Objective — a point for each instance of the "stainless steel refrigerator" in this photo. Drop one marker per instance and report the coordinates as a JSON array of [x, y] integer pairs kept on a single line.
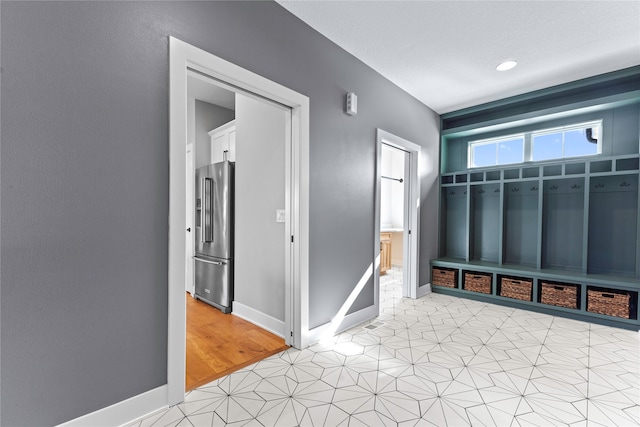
[[214, 234]]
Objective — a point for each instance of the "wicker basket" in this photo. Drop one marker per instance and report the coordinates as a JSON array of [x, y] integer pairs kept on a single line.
[[559, 294], [444, 277], [477, 282], [609, 302], [516, 288]]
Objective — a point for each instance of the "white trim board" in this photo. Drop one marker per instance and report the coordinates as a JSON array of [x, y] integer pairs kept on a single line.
[[327, 331], [182, 57], [269, 323], [423, 290], [124, 412]]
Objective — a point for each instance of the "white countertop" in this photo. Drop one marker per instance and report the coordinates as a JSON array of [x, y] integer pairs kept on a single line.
[[391, 230]]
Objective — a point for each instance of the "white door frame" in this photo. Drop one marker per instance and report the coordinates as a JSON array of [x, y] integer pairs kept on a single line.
[[411, 213], [182, 57], [189, 222]]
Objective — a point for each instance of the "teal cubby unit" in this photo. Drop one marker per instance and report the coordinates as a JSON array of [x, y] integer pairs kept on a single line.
[[521, 226], [563, 223], [485, 222], [557, 236]]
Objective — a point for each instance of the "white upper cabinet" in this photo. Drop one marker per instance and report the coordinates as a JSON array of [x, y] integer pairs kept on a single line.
[[223, 138]]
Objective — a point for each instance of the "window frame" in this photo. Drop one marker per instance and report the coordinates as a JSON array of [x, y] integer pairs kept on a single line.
[[528, 143], [564, 130], [496, 141]]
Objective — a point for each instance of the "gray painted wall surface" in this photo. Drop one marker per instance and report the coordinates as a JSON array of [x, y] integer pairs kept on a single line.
[[259, 240], [84, 184]]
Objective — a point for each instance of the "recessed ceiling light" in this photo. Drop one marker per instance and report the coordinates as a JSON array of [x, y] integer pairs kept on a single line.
[[506, 65]]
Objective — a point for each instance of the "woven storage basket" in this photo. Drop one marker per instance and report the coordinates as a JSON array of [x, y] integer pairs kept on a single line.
[[559, 294], [611, 303], [477, 282], [516, 288], [444, 277]]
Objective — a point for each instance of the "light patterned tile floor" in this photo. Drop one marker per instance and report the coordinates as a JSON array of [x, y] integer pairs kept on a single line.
[[434, 361]]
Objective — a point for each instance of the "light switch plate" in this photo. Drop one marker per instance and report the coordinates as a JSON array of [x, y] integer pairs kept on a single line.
[[280, 215]]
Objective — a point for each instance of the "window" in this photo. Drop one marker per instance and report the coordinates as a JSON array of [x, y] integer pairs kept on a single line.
[[493, 152], [570, 141], [549, 144]]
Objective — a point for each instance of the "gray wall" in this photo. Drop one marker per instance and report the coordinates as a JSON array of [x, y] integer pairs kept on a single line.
[[259, 240], [84, 184]]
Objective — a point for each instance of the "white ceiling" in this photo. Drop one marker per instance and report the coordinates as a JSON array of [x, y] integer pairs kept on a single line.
[[444, 53]]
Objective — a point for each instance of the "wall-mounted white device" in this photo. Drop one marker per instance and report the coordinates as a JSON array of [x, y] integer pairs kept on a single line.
[[351, 104]]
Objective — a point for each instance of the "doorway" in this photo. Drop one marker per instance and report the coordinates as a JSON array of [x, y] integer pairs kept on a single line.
[[295, 235], [247, 136], [393, 186], [397, 213]]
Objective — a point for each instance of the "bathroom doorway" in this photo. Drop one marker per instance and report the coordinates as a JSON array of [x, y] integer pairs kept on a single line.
[[397, 213]]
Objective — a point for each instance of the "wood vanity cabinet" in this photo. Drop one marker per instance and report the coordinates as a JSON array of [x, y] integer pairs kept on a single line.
[[385, 252]]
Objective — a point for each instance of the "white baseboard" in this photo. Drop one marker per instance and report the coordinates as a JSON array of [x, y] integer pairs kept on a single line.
[[124, 412], [271, 324], [326, 331], [423, 290]]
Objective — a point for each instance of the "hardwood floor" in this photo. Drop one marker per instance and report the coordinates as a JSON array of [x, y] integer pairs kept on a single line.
[[218, 344]]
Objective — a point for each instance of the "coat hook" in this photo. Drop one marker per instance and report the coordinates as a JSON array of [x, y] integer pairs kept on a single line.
[[481, 192], [534, 188], [553, 187], [497, 190], [625, 184], [599, 185], [514, 189], [452, 193], [575, 186]]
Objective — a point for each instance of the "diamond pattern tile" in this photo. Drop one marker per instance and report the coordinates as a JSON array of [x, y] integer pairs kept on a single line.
[[434, 361]]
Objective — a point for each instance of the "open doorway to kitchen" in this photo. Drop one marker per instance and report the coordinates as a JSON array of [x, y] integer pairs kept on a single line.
[[251, 92], [397, 213], [235, 256]]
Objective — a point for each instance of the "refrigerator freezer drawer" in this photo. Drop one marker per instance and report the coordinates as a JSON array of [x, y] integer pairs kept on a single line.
[[214, 282]]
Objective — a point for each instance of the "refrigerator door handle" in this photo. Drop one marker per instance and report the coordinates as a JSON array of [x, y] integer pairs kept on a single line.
[[207, 261], [206, 211], [202, 208]]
